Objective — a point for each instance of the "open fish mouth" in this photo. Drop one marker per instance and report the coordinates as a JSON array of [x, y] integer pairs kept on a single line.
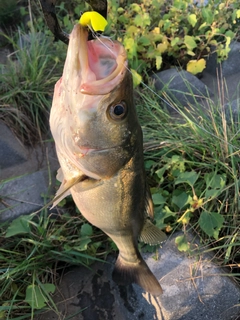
[[101, 63]]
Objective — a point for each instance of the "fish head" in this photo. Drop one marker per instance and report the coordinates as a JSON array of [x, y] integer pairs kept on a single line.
[[93, 118]]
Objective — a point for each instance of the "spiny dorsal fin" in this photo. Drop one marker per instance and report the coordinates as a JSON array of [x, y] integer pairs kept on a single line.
[[151, 234], [149, 209]]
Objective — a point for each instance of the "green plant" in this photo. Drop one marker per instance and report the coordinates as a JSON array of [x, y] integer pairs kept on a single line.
[[34, 251], [26, 86], [192, 166], [159, 34], [8, 11]]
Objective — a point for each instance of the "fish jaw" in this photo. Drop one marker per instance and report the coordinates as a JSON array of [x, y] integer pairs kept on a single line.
[[93, 67]]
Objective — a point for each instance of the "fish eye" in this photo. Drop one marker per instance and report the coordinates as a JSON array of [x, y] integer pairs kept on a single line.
[[118, 111]]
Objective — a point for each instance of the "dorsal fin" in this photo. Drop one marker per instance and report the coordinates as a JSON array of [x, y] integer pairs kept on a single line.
[[151, 234]]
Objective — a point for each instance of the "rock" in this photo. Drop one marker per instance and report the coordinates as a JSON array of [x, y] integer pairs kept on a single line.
[[91, 294], [194, 289], [232, 111], [227, 67], [182, 87], [22, 195], [11, 151], [24, 175]]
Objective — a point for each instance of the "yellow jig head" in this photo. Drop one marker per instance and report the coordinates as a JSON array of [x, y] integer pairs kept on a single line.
[[93, 20]]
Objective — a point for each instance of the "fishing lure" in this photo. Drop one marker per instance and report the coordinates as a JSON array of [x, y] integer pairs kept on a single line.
[[93, 20]]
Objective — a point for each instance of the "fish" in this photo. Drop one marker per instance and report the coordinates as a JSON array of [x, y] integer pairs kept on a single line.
[[99, 144]]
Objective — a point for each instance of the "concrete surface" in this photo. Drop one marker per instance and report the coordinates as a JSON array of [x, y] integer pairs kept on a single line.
[[193, 289], [26, 175]]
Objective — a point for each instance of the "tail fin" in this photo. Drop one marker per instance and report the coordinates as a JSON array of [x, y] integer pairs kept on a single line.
[[125, 273]]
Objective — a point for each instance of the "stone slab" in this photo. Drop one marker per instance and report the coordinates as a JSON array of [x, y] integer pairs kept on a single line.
[[22, 195], [11, 151], [8, 156], [194, 289]]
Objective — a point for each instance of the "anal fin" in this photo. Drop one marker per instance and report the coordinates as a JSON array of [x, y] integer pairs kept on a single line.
[[151, 234]]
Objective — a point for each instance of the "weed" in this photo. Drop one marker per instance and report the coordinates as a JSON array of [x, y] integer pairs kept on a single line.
[[193, 169], [34, 251], [26, 86]]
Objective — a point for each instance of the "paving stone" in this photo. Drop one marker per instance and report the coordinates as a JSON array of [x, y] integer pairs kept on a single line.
[[8, 156], [194, 289], [11, 151], [183, 87], [22, 195]]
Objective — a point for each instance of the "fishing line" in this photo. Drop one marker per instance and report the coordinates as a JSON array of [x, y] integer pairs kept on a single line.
[[156, 94]]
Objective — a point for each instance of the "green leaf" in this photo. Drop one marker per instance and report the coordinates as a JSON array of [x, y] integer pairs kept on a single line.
[[36, 297], [149, 163], [202, 26], [19, 226], [208, 15], [135, 7], [182, 243], [144, 41], [86, 230], [212, 193], [161, 214], [83, 244], [211, 223], [138, 20], [189, 177], [175, 41], [215, 181], [190, 42], [192, 19], [158, 199], [215, 184], [181, 200]]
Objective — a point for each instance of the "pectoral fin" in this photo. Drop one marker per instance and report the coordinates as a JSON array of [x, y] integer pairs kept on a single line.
[[65, 187], [151, 234]]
